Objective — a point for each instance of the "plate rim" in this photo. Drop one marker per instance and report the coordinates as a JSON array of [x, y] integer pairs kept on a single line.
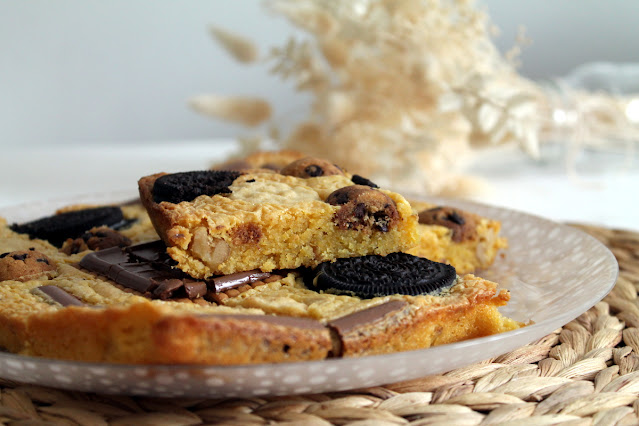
[[537, 329]]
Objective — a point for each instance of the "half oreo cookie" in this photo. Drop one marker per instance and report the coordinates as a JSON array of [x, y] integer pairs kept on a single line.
[[57, 228], [187, 186], [374, 275]]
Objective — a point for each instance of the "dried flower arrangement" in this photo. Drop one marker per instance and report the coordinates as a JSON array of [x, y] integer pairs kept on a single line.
[[405, 91]]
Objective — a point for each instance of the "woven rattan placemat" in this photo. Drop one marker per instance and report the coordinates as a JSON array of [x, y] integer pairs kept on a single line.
[[584, 373]]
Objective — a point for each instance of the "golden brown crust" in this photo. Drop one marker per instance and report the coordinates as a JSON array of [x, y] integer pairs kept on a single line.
[[144, 333]]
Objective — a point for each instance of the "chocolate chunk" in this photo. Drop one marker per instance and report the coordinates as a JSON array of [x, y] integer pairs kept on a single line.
[[187, 186], [137, 276], [145, 269], [60, 295], [166, 288], [102, 261], [154, 252], [355, 333], [365, 318], [360, 180], [374, 275], [237, 279], [57, 228], [363, 208], [195, 289]]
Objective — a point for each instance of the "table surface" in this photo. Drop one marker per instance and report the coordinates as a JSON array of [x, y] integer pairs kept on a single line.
[[600, 188]]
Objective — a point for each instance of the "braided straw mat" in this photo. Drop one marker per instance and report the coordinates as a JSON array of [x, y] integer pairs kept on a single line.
[[586, 373]]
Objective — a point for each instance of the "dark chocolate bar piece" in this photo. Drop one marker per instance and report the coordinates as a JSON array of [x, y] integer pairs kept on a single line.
[[353, 330], [148, 269], [60, 295], [237, 279], [151, 278], [154, 252]]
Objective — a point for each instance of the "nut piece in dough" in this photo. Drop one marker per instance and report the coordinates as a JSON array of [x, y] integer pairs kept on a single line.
[[363, 208], [25, 265]]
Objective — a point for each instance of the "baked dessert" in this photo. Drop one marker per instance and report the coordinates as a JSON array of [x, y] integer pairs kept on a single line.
[[94, 283], [465, 240], [221, 222]]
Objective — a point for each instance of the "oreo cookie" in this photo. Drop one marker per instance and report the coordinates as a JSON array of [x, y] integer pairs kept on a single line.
[[57, 228], [374, 276], [187, 186]]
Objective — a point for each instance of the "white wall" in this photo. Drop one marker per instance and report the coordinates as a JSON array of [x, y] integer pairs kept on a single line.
[[121, 70]]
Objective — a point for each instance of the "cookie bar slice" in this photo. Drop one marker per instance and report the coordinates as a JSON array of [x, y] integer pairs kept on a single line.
[[221, 222], [465, 240], [462, 239]]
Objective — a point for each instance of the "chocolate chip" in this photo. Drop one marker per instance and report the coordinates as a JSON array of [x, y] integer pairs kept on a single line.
[[3, 255], [360, 180], [22, 256], [314, 170]]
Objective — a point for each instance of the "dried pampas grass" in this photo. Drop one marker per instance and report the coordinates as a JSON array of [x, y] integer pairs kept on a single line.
[[404, 91], [244, 110]]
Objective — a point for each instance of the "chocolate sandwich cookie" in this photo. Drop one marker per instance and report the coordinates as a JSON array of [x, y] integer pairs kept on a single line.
[[57, 228], [187, 186], [374, 276]]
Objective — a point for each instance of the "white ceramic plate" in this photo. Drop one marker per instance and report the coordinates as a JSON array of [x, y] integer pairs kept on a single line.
[[554, 273]]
